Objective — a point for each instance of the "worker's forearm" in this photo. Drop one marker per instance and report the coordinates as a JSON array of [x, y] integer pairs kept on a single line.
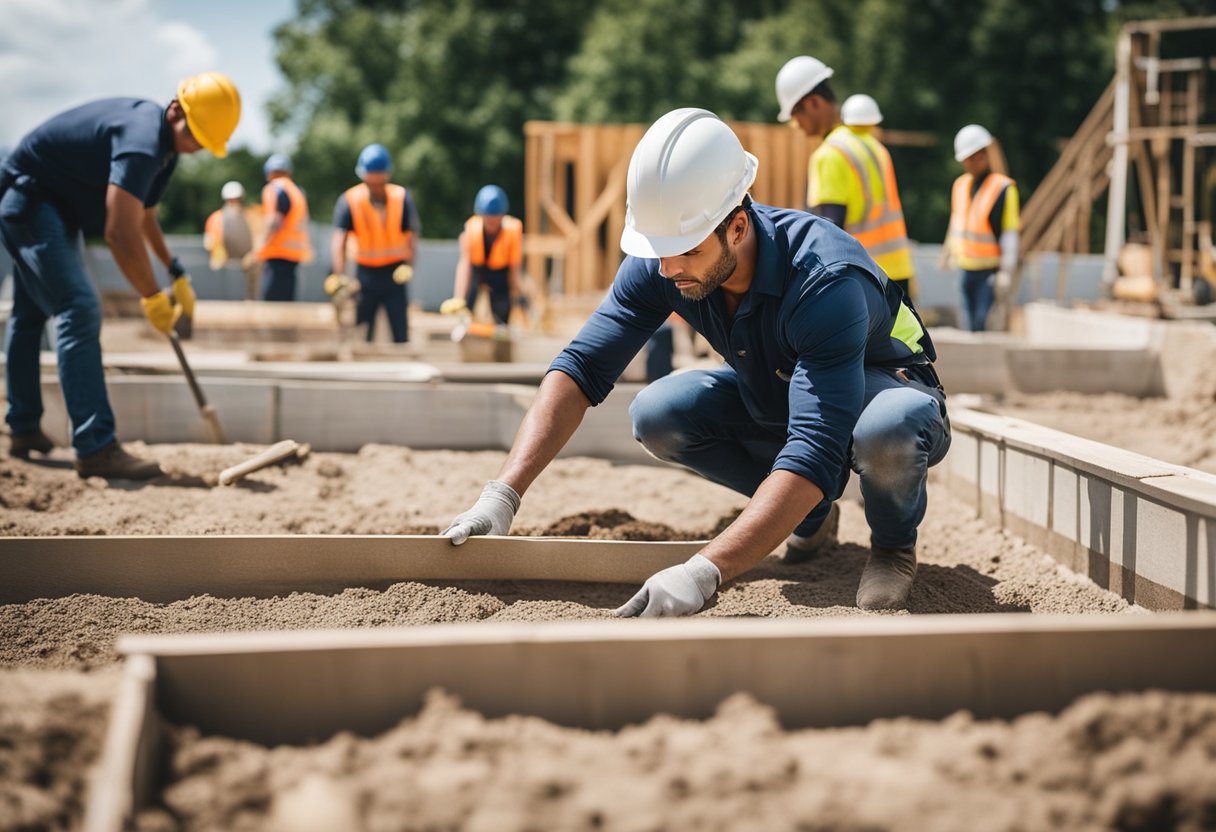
[[337, 252], [463, 271], [131, 255], [548, 425], [156, 238], [778, 506], [1009, 250], [513, 281]]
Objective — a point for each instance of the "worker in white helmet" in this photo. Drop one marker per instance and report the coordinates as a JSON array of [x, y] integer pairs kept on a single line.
[[984, 223], [229, 235], [827, 366], [851, 179]]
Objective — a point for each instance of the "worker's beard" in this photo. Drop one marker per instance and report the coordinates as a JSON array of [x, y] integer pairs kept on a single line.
[[717, 274]]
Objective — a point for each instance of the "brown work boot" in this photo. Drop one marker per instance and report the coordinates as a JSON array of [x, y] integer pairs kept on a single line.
[[22, 444], [112, 462], [887, 579], [801, 549]]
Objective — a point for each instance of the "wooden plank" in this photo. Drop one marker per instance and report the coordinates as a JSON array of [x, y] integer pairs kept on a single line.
[[165, 568]]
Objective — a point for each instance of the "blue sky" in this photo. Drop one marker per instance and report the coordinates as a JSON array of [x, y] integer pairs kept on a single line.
[[55, 54]]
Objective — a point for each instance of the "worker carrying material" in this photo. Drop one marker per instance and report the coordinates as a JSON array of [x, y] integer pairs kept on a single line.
[[984, 222], [229, 234], [285, 213], [385, 224], [98, 170], [851, 179], [827, 365], [491, 252]]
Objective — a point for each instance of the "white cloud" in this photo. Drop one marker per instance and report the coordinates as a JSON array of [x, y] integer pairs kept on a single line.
[[55, 54]]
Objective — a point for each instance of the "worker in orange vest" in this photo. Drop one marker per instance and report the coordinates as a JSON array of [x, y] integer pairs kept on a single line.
[[384, 221], [229, 233], [285, 210], [491, 252], [984, 222]]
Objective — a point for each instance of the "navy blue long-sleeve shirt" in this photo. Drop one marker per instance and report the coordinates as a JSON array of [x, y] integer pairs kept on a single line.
[[819, 311]]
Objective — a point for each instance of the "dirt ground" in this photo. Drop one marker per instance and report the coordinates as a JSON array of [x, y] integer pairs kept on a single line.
[[1179, 431], [1131, 762]]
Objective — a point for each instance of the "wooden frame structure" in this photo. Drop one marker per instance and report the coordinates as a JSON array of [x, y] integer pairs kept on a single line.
[[574, 194], [1152, 115]]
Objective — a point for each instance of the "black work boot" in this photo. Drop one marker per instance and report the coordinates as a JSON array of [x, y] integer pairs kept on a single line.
[[801, 549], [23, 443], [887, 579], [112, 462]]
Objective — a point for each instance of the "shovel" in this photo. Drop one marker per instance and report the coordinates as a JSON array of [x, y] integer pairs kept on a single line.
[[208, 411]]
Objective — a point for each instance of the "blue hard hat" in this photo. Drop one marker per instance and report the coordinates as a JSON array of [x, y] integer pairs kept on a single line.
[[374, 158], [278, 161], [491, 201]]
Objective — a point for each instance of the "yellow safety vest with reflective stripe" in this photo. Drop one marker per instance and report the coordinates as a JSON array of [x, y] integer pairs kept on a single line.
[[973, 240], [381, 240], [879, 225]]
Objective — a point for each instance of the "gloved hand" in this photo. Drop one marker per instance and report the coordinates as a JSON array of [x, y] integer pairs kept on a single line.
[[160, 312], [523, 303], [677, 590], [403, 274], [452, 305], [183, 293], [493, 513], [1003, 281], [333, 283]]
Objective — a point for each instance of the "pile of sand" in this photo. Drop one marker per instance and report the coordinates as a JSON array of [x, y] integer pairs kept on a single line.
[[1132, 762]]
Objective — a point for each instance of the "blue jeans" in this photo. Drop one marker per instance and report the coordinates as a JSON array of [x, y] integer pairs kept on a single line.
[[50, 281], [697, 419], [978, 295], [377, 288], [500, 294], [279, 280]]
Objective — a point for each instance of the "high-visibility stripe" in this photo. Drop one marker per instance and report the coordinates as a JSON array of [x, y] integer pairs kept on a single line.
[[907, 329], [380, 238], [972, 238], [881, 227]]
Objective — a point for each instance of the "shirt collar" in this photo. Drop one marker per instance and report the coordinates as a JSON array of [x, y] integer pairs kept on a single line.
[[771, 265]]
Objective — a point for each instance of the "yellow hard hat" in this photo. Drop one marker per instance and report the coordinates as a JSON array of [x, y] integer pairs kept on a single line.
[[213, 107]]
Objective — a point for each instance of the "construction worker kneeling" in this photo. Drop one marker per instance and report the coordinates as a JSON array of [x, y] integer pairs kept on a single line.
[[827, 367], [384, 222]]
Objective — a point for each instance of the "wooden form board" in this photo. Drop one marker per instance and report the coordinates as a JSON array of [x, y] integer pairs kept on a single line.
[[574, 190], [167, 568], [304, 687]]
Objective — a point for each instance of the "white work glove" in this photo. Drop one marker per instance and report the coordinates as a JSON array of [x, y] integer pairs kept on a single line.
[[1002, 283], [677, 590], [493, 513]]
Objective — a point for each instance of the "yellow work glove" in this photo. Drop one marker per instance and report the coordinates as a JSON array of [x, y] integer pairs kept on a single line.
[[183, 293], [333, 283], [452, 305], [403, 274], [160, 312]]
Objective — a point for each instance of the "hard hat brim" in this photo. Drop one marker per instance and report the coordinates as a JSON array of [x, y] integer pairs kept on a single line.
[[787, 111], [969, 152]]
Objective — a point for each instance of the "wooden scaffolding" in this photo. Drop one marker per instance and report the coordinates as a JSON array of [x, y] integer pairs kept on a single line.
[[574, 193], [1151, 117]]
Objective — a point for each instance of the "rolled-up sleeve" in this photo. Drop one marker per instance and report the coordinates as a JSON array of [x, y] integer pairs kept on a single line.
[[635, 307], [828, 328]]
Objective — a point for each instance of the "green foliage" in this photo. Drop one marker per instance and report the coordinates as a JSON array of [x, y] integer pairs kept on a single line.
[[194, 191], [448, 84]]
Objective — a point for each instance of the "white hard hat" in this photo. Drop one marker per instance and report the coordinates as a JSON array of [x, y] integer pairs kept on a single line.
[[797, 78], [232, 190], [860, 111], [686, 174], [969, 140]]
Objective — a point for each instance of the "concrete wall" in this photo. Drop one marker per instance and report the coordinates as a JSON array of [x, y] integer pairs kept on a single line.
[[1139, 527]]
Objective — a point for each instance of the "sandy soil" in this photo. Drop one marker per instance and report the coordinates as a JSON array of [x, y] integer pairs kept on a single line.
[[1179, 431], [51, 727], [1132, 762], [966, 565]]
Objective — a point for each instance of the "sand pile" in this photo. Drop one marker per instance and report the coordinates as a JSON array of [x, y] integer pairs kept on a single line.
[[1131, 762]]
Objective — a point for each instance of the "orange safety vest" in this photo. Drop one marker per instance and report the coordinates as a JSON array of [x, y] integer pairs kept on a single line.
[[213, 231], [291, 241], [380, 239], [973, 240], [507, 249], [881, 228]]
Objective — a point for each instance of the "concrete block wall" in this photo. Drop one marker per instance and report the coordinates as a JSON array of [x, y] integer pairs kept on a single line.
[[1137, 526]]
